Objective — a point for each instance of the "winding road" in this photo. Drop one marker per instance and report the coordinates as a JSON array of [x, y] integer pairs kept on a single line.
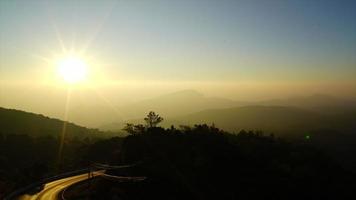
[[52, 189]]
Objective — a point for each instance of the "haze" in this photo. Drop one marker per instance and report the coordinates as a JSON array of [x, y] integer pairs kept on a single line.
[[136, 50], [177, 99]]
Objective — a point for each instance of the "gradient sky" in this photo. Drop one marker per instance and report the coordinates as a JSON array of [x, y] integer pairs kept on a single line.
[[279, 43]]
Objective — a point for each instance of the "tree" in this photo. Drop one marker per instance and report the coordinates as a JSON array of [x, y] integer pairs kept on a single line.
[[129, 128], [134, 129], [153, 119]]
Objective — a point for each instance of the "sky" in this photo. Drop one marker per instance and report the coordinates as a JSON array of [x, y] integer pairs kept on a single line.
[[238, 49]]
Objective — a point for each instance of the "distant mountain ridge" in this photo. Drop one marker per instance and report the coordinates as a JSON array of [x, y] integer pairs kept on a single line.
[[190, 101], [266, 118], [317, 102], [20, 122], [175, 104], [279, 115]]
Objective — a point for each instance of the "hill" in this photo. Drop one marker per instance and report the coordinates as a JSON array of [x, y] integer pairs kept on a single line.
[[267, 118], [169, 106], [175, 104], [20, 122], [285, 120], [278, 119], [318, 102]]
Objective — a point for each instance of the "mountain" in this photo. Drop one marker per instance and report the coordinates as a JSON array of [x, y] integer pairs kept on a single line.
[[175, 104], [20, 122], [190, 101], [168, 106], [91, 111], [102, 113], [297, 113], [267, 118], [317, 102], [278, 119]]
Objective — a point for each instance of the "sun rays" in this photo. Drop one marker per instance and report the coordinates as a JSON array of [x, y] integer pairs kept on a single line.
[[72, 69]]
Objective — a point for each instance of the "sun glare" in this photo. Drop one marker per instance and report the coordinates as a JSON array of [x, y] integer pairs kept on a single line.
[[72, 69]]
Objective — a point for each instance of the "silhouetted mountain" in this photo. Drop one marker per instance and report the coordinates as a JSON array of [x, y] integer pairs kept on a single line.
[[318, 102], [276, 119], [268, 118], [178, 103], [175, 106], [20, 122]]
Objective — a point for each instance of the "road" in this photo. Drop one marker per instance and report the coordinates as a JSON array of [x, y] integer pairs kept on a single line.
[[52, 189]]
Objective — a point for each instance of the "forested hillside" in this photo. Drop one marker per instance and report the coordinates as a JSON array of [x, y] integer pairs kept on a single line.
[[20, 122]]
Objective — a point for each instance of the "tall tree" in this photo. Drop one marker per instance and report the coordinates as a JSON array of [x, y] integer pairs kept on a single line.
[[153, 119]]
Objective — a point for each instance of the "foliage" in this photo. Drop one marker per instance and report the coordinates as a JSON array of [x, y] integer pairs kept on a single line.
[[204, 162], [134, 129], [153, 119]]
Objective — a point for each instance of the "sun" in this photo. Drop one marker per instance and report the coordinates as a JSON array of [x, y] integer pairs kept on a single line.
[[72, 69]]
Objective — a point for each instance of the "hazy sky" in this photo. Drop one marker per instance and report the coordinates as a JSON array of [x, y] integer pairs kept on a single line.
[[228, 47]]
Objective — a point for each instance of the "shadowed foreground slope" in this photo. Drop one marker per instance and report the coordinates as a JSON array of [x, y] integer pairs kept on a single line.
[[20, 122], [206, 163]]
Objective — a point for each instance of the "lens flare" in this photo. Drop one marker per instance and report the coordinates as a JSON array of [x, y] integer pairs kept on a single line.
[[72, 69]]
